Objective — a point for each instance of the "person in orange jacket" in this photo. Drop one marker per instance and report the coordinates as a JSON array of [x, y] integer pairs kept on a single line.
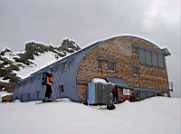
[[49, 84]]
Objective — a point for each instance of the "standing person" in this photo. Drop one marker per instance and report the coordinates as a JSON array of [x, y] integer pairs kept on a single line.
[[115, 94], [49, 83]]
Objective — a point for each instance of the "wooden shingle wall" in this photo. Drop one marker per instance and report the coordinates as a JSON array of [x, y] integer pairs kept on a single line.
[[127, 66]]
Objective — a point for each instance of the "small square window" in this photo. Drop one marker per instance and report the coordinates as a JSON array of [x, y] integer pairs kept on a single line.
[[111, 66], [148, 58], [154, 59], [142, 56]]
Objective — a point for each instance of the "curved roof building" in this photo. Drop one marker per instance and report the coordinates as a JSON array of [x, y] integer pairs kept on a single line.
[[135, 62]]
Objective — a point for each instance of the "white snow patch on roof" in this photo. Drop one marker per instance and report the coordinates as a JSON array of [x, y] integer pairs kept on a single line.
[[99, 80]]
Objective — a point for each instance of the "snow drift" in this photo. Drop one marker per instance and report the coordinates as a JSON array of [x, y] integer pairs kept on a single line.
[[158, 115]]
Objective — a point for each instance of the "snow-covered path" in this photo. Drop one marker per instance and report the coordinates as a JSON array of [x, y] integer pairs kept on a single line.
[[159, 115]]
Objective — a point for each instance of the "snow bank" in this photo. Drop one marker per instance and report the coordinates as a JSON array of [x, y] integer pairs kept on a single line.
[[2, 80], [159, 115], [3, 93]]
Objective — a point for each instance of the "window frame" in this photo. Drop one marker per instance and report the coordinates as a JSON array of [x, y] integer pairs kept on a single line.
[[148, 56], [107, 63], [113, 66], [161, 61], [142, 56]]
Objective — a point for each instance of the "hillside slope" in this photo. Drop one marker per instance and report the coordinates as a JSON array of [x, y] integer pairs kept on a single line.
[[15, 66], [159, 115]]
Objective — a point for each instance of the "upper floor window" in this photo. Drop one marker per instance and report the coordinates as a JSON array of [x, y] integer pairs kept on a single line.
[[142, 56], [161, 61], [154, 59], [111, 66], [106, 65], [149, 57]]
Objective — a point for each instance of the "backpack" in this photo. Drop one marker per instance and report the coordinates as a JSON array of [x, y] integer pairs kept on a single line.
[[111, 106], [44, 78]]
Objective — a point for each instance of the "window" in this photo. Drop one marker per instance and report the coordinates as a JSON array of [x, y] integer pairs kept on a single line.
[[154, 59], [106, 65], [161, 60], [142, 56], [148, 58], [111, 66], [126, 92]]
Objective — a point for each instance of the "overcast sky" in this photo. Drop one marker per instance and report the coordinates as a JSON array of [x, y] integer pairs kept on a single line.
[[85, 21]]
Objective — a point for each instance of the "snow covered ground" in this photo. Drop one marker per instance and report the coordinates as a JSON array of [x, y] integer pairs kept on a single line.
[[158, 115]]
